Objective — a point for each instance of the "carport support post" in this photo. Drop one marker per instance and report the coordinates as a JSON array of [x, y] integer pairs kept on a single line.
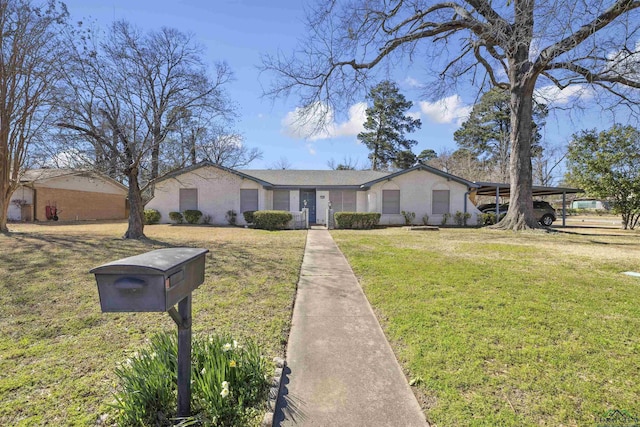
[[497, 204], [564, 208], [183, 319]]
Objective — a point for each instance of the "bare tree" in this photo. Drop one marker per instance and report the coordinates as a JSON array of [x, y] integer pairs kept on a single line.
[[509, 44], [29, 71], [347, 163], [282, 163], [127, 92]]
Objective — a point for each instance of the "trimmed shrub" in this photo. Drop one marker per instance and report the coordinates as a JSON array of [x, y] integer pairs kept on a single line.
[[488, 218], [462, 218], [408, 217], [445, 218], [192, 216], [176, 217], [425, 219], [151, 216], [248, 216], [357, 220], [271, 220], [228, 383], [231, 216]]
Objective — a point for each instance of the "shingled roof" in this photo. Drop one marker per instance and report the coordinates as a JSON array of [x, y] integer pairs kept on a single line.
[[315, 178]]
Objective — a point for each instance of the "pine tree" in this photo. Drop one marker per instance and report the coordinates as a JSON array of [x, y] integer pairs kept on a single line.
[[386, 125]]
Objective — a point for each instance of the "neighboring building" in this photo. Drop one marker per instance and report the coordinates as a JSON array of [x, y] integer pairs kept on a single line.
[[590, 204], [76, 195], [214, 190]]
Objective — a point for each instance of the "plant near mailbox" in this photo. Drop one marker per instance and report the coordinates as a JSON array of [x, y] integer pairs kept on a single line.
[[176, 217], [228, 383], [151, 216], [271, 220], [192, 216]]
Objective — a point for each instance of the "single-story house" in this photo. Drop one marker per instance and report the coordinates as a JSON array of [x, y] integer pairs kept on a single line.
[[72, 194], [215, 190]]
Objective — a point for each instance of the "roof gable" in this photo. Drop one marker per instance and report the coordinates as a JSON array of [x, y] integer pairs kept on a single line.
[[32, 176], [425, 168], [206, 163]]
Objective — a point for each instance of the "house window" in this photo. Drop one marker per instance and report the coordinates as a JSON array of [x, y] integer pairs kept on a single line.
[[248, 200], [343, 200], [188, 199], [390, 201], [440, 202], [281, 200]]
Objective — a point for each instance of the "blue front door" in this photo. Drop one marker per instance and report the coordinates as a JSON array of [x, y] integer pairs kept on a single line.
[[310, 197]]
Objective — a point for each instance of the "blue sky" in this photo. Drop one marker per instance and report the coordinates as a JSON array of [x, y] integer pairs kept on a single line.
[[239, 32]]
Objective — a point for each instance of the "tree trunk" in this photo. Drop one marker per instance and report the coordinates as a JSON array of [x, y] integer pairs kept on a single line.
[[136, 207], [4, 209], [520, 215]]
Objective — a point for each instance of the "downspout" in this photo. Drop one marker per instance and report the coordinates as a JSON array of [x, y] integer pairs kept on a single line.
[[465, 200]]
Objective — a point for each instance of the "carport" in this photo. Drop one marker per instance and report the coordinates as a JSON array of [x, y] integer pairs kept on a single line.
[[504, 190]]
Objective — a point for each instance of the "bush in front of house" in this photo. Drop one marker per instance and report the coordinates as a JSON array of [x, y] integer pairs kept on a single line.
[[248, 216], [358, 220], [151, 216], [176, 217], [228, 385], [271, 220], [192, 216], [461, 218]]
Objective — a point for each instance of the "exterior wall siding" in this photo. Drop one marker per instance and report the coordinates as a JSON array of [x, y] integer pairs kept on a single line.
[[21, 193], [218, 192], [416, 196], [74, 205]]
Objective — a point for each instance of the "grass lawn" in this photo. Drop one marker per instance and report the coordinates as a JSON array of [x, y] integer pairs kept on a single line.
[[58, 351], [506, 329]]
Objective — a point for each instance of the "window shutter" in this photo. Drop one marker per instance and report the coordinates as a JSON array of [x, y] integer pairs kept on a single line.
[[248, 200], [188, 199], [440, 202], [281, 200], [390, 201]]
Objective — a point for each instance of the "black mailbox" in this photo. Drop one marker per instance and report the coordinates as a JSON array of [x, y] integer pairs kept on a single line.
[[153, 281]]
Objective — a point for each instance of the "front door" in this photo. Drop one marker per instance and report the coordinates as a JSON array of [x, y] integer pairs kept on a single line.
[[310, 197]]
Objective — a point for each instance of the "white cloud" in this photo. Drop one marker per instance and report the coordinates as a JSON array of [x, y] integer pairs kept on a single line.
[[411, 82], [553, 95], [311, 149], [318, 122], [446, 110]]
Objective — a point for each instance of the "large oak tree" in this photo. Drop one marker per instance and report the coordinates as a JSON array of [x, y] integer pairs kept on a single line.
[[512, 44]]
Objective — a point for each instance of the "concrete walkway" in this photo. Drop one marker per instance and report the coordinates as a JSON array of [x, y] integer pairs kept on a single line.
[[341, 369]]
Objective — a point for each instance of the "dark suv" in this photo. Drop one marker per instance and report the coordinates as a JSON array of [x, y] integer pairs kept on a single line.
[[543, 211]]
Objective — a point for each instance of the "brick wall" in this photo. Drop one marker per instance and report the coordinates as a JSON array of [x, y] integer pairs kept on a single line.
[[79, 205]]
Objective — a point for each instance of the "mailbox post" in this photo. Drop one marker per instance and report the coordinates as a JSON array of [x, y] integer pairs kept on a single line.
[[157, 281]]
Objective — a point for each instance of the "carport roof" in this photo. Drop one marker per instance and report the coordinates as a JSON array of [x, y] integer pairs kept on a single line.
[[491, 188]]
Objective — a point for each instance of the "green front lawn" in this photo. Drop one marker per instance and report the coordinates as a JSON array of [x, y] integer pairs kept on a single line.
[[508, 329], [58, 351]]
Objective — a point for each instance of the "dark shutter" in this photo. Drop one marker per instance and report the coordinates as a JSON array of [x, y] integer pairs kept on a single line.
[[248, 200], [390, 201], [188, 199], [281, 200], [440, 202]]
